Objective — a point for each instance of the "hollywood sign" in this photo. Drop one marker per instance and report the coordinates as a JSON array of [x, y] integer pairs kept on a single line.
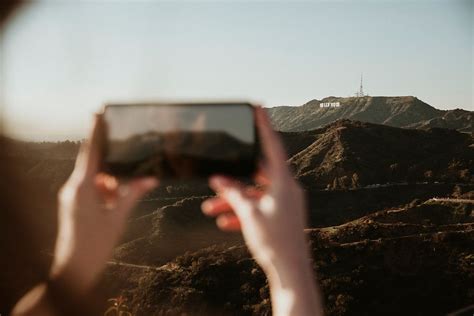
[[330, 104]]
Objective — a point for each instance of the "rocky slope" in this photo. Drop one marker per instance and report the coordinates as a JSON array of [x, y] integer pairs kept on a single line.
[[407, 112], [455, 119], [414, 260], [167, 231], [348, 154]]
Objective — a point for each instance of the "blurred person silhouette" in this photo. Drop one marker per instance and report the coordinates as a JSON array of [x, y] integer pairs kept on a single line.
[[94, 207], [22, 235]]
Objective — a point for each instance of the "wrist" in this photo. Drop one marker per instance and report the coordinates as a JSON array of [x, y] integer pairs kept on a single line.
[[291, 269], [71, 276], [288, 254], [293, 287], [77, 266]]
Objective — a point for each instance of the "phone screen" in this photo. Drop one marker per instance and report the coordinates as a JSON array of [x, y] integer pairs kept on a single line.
[[180, 140]]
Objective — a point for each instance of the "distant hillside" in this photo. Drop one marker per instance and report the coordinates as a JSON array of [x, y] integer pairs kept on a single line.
[[47, 164], [349, 154], [455, 119], [406, 112]]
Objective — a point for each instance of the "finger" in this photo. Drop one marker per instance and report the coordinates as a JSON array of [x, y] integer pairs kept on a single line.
[[87, 163], [261, 177], [108, 186], [228, 222], [78, 166], [215, 206], [234, 193], [131, 192], [254, 193], [95, 146], [273, 150]]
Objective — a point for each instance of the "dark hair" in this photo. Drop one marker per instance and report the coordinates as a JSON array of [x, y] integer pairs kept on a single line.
[[7, 8]]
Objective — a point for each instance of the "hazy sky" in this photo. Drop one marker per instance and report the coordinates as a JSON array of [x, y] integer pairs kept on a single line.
[[62, 59]]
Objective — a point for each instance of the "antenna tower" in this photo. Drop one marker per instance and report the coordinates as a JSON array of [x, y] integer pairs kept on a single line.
[[360, 93]]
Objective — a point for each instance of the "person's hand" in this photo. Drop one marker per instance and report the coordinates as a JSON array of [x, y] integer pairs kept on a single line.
[[272, 217], [93, 209]]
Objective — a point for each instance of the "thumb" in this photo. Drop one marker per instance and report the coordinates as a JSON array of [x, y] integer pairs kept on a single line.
[[131, 192]]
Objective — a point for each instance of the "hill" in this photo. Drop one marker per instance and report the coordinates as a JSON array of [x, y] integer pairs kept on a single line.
[[406, 112], [348, 155], [413, 260]]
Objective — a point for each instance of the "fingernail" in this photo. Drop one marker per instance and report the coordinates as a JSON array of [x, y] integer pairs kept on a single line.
[[206, 207], [222, 221], [110, 182]]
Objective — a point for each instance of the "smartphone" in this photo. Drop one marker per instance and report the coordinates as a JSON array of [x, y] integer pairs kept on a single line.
[[180, 140]]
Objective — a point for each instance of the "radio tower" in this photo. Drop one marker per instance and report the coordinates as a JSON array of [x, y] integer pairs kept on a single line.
[[360, 93]]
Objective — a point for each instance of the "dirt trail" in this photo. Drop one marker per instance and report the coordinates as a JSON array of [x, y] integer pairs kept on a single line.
[[165, 267], [451, 200]]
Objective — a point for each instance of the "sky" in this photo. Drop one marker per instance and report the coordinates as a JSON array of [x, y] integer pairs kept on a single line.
[[62, 60]]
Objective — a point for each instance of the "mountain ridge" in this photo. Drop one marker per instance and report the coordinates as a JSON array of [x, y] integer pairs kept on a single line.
[[396, 111]]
